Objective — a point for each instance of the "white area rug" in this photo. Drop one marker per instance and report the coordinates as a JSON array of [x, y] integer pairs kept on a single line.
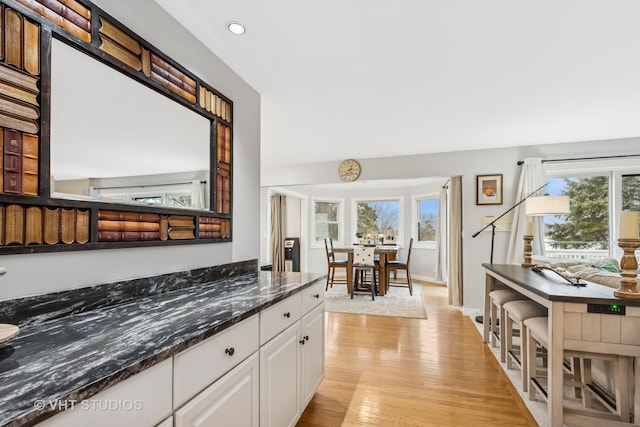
[[396, 302]]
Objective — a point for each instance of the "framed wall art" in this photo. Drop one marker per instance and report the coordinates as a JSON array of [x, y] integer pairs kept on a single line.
[[489, 189]]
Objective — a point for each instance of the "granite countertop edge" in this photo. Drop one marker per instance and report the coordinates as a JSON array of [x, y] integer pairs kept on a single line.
[[32, 416]]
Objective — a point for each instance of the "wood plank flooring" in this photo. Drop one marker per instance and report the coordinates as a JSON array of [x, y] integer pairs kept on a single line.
[[391, 371]]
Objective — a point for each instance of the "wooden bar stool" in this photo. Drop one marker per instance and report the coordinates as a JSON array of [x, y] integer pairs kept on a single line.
[[498, 298], [333, 264], [516, 312], [538, 335]]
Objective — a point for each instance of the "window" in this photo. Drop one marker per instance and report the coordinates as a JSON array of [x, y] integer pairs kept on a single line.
[[377, 218], [583, 233], [631, 192], [327, 220], [425, 218], [177, 195]]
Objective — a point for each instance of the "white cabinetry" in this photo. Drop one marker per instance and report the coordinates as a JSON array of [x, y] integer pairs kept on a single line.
[[232, 401], [312, 354], [292, 362]]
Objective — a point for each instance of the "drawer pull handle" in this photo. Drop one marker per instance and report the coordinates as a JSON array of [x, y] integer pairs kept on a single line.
[[316, 296], [230, 351], [287, 315], [306, 337], [302, 341]]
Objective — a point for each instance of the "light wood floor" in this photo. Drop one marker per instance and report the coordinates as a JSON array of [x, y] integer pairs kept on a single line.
[[389, 371]]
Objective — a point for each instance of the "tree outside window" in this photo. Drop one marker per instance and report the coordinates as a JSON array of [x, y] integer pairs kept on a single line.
[[587, 226], [427, 218], [378, 217]]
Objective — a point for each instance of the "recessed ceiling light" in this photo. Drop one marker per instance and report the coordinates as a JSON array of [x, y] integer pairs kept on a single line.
[[236, 28]]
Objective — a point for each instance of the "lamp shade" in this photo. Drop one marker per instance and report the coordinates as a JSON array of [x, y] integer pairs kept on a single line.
[[547, 205]]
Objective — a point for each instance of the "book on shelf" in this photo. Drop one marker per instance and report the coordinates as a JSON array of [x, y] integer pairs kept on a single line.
[[12, 161], [110, 225], [181, 221], [33, 225], [210, 227], [179, 233], [82, 225], [30, 164], [164, 227], [127, 236], [51, 225], [128, 216], [67, 225], [210, 234], [14, 217], [209, 220]]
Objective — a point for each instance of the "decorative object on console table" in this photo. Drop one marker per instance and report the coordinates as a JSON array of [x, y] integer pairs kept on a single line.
[[489, 189], [629, 241], [528, 237], [541, 206]]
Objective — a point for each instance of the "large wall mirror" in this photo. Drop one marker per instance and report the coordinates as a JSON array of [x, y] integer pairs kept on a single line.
[[113, 139], [106, 141]]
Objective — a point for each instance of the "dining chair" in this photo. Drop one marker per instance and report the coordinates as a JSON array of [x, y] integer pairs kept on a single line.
[[363, 262], [332, 264], [397, 265]]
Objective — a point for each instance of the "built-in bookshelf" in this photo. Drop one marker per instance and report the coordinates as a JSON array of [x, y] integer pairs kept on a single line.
[[30, 219]]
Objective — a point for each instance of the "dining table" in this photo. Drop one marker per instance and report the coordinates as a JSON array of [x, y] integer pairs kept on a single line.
[[386, 253]]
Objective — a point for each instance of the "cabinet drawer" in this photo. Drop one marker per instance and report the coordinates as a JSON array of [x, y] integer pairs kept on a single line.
[[232, 401], [312, 296], [196, 368], [280, 316], [142, 400]]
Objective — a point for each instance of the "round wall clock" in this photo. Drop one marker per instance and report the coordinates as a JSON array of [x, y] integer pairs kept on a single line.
[[349, 170]]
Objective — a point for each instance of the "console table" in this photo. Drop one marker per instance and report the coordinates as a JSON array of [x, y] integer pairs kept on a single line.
[[588, 318]]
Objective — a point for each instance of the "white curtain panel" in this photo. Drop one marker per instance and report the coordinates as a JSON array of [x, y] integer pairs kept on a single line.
[[197, 194], [532, 177]]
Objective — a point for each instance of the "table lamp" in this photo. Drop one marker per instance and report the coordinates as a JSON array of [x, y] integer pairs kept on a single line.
[[541, 206]]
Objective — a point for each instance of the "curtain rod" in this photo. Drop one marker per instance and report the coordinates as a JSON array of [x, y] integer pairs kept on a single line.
[[521, 162], [147, 185]]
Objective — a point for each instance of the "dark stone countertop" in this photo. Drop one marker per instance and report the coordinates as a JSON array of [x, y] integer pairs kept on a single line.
[[79, 355]]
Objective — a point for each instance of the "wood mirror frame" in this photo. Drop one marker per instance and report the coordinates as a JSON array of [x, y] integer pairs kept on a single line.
[[30, 219]]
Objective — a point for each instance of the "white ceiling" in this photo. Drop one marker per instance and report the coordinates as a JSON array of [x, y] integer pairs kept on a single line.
[[374, 78]]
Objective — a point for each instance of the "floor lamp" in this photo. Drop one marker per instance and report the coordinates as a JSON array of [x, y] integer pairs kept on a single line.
[[492, 224], [536, 206]]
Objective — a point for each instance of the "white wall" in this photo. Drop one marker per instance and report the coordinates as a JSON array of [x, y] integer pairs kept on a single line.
[[468, 164], [37, 273]]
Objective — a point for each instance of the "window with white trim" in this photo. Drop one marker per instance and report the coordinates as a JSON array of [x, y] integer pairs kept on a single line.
[[327, 220], [597, 197], [377, 218], [425, 217]]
